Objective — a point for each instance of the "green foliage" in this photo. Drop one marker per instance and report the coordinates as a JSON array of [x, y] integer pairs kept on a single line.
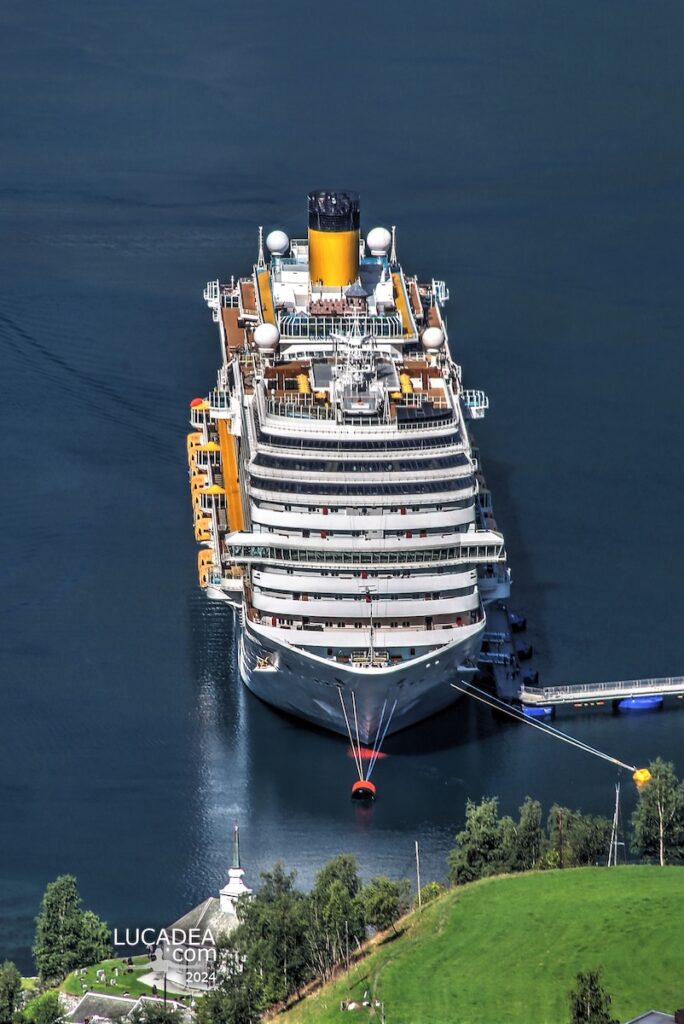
[[272, 935], [337, 915], [44, 1009], [589, 1001], [155, 1012], [508, 949], [577, 840], [66, 936], [658, 821], [385, 901], [10, 993], [485, 844], [530, 839], [239, 998], [429, 892]]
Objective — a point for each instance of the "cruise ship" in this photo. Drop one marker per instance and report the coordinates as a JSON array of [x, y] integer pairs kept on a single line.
[[337, 493]]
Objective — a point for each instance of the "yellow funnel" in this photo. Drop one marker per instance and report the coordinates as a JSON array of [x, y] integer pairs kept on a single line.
[[333, 238]]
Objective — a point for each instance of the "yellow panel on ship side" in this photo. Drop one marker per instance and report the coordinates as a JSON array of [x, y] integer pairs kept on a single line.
[[229, 465], [333, 257], [402, 306], [265, 296]]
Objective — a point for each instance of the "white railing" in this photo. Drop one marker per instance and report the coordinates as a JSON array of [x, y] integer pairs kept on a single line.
[[579, 692], [475, 403]]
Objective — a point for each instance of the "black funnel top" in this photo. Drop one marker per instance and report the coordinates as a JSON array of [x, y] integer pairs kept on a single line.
[[334, 211]]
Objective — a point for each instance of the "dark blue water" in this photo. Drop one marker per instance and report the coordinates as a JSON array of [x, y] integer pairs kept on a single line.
[[531, 155]]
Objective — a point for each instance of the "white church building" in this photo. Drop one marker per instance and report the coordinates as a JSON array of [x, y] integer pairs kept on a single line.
[[186, 952]]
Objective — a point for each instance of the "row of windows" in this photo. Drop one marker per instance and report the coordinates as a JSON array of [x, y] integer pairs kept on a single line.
[[437, 595], [363, 510], [375, 534], [460, 553], [379, 490], [332, 466], [342, 445]]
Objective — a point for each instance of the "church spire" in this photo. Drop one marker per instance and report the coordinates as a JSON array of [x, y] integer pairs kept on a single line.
[[235, 886], [236, 847]]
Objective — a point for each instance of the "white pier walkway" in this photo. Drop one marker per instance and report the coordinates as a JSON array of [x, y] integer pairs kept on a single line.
[[584, 693]]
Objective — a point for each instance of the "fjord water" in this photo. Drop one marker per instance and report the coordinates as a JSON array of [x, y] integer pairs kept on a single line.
[[531, 156]]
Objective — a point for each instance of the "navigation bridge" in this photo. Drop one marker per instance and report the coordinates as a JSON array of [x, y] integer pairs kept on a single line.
[[590, 693]]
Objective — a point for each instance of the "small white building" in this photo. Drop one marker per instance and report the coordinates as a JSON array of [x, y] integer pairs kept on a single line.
[[186, 954]]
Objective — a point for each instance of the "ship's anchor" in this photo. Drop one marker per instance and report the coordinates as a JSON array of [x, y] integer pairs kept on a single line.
[[363, 788]]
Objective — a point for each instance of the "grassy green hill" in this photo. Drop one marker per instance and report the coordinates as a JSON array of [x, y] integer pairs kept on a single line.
[[508, 949]]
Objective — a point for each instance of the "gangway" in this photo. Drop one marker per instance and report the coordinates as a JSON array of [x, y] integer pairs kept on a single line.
[[585, 693]]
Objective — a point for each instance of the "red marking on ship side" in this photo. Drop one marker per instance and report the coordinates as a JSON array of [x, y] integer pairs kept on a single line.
[[365, 753]]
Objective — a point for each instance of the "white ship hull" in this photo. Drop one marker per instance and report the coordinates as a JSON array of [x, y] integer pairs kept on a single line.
[[309, 687]]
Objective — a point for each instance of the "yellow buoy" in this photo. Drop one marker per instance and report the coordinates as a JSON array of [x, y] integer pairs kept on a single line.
[[642, 776]]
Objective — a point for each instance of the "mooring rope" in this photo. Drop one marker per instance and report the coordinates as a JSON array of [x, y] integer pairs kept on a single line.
[[499, 705], [373, 760], [355, 751]]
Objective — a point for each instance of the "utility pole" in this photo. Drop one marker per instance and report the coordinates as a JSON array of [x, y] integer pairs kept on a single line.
[[614, 834], [420, 898]]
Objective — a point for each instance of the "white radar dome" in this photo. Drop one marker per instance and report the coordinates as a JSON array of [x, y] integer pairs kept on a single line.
[[379, 241], [266, 337], [433, 338], [277, 243]]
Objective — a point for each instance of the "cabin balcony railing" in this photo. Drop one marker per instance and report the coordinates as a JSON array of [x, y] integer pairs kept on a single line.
[[475, 403], [198, 417]]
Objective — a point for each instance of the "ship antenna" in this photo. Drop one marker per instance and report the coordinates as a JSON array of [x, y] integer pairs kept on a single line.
[[371, 650], [393, 251], [261, 262]]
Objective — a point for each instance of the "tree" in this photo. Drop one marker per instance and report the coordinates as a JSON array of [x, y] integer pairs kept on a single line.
[[484, 846], [558, 828], [10, 992], [95, 939], [429, 892], [385, 901], [337, 916], [239, 997], [658, 821], [154, 1011], [66, 936], [530, 840], [44, 1009], [589, 839], [576, 839], [271, 938], [589, 1001]]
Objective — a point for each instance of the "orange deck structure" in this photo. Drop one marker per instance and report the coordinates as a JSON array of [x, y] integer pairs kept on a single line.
[[235, 336]]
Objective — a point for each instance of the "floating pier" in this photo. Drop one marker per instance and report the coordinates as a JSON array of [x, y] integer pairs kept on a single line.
[[509, 657], [592, 693]]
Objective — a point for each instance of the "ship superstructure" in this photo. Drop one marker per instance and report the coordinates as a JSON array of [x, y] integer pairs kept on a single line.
[[337, 495]]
